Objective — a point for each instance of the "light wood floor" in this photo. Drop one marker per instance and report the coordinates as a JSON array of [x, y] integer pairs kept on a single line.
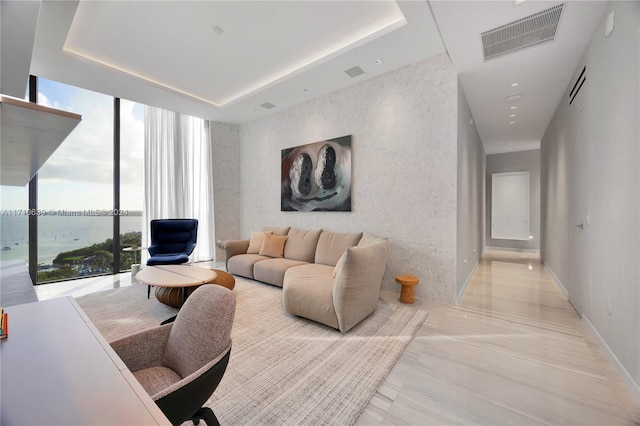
[[513, 352]]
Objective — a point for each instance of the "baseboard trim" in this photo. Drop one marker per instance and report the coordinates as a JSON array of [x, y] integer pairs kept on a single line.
[[467, 281], [522, 250], [633, 387], [562, 288]]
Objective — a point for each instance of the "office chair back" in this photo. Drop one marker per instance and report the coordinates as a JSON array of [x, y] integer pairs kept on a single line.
[[199, 342]]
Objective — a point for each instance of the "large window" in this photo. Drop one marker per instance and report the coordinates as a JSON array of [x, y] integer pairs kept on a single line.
[[14, 223], [75, 189], [89, 196]]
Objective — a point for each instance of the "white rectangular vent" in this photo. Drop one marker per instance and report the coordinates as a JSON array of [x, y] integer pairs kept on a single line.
[[524, 32]]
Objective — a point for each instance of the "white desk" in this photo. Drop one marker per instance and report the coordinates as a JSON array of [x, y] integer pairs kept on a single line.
[[57, 369]]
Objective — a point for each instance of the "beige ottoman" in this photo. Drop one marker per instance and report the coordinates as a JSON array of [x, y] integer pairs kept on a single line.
[[173, 296]]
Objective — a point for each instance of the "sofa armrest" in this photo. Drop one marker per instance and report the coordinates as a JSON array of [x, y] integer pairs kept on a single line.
[[233, 248], [356, 286], [144, 349]]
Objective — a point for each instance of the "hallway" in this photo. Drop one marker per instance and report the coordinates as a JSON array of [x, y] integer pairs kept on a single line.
[[513, 352]]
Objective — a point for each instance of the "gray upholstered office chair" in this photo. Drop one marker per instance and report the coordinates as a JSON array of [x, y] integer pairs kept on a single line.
[[181, 364]]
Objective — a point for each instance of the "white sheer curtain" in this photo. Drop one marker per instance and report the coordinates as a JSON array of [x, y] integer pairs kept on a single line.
[[177, 174]]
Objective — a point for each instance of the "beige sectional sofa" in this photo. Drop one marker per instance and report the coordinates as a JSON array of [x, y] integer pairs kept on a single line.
[[329, 277]]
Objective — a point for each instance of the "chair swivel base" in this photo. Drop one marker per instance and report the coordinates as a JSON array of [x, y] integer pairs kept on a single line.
[[206, 414]]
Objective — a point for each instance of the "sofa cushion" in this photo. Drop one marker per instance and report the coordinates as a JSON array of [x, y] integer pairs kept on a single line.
[[331, 246], [242, 264], [255, 243], [273, 245], [276, 230], [272, 271], [301, 244], [308, 292]]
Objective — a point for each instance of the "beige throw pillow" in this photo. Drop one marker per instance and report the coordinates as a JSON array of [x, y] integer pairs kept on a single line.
[[273, 245], [255, 243]]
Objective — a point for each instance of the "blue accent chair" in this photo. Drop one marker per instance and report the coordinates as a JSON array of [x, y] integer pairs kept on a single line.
[[172, 241]]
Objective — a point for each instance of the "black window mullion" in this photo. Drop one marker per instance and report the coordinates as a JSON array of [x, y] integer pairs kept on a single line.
[[33, 200], [116, 185]]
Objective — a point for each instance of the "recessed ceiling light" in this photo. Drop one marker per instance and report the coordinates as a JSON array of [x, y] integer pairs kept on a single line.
[[514, 84], [514, 98], [305, 90], [512, 122], [513, 107], [512, 115], [217, 30], [378, 61]]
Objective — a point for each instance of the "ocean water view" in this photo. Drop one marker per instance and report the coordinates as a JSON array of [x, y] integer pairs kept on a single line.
[[57, 234]]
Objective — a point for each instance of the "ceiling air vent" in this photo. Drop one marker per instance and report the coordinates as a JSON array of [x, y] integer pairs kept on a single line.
[[522, 33], [354, 71], [267, 105]]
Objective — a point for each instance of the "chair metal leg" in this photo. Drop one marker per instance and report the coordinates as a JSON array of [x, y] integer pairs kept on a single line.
[[168, 320], [206, 414], [148, 291]]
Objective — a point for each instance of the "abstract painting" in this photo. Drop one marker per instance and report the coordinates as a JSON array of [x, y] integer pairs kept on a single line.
[[317, 176]]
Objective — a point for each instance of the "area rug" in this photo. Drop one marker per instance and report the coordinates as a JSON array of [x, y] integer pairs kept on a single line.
[[284, 370]]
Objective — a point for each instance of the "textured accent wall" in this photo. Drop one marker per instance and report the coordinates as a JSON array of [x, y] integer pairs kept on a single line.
[[404, 128], [471, 183], [522, 161], [225, 150]]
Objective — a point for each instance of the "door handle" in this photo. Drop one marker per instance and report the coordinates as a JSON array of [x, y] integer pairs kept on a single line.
[[580, 225]]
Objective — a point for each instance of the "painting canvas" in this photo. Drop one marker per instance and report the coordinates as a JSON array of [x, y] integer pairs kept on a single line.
[[317, 176]]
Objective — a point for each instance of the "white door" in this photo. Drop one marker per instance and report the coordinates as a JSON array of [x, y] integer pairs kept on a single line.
[[510, 206], [578, 285]]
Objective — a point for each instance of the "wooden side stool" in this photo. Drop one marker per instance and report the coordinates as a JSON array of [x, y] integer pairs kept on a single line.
[[407, 282]]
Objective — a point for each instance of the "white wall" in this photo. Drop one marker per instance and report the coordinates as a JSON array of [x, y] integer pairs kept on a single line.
[[612, 105], [471, 182], [404, 142], [517, 162]]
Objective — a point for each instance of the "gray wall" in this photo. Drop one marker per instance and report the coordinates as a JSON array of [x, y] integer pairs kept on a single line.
[[471, 182], [521, 161], [404, 141], [611, 104]]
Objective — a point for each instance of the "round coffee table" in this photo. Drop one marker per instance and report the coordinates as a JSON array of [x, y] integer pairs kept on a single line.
[[172, 296], [176, 276]]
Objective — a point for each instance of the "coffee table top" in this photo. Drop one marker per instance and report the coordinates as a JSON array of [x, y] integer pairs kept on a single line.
[[175, 275]]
